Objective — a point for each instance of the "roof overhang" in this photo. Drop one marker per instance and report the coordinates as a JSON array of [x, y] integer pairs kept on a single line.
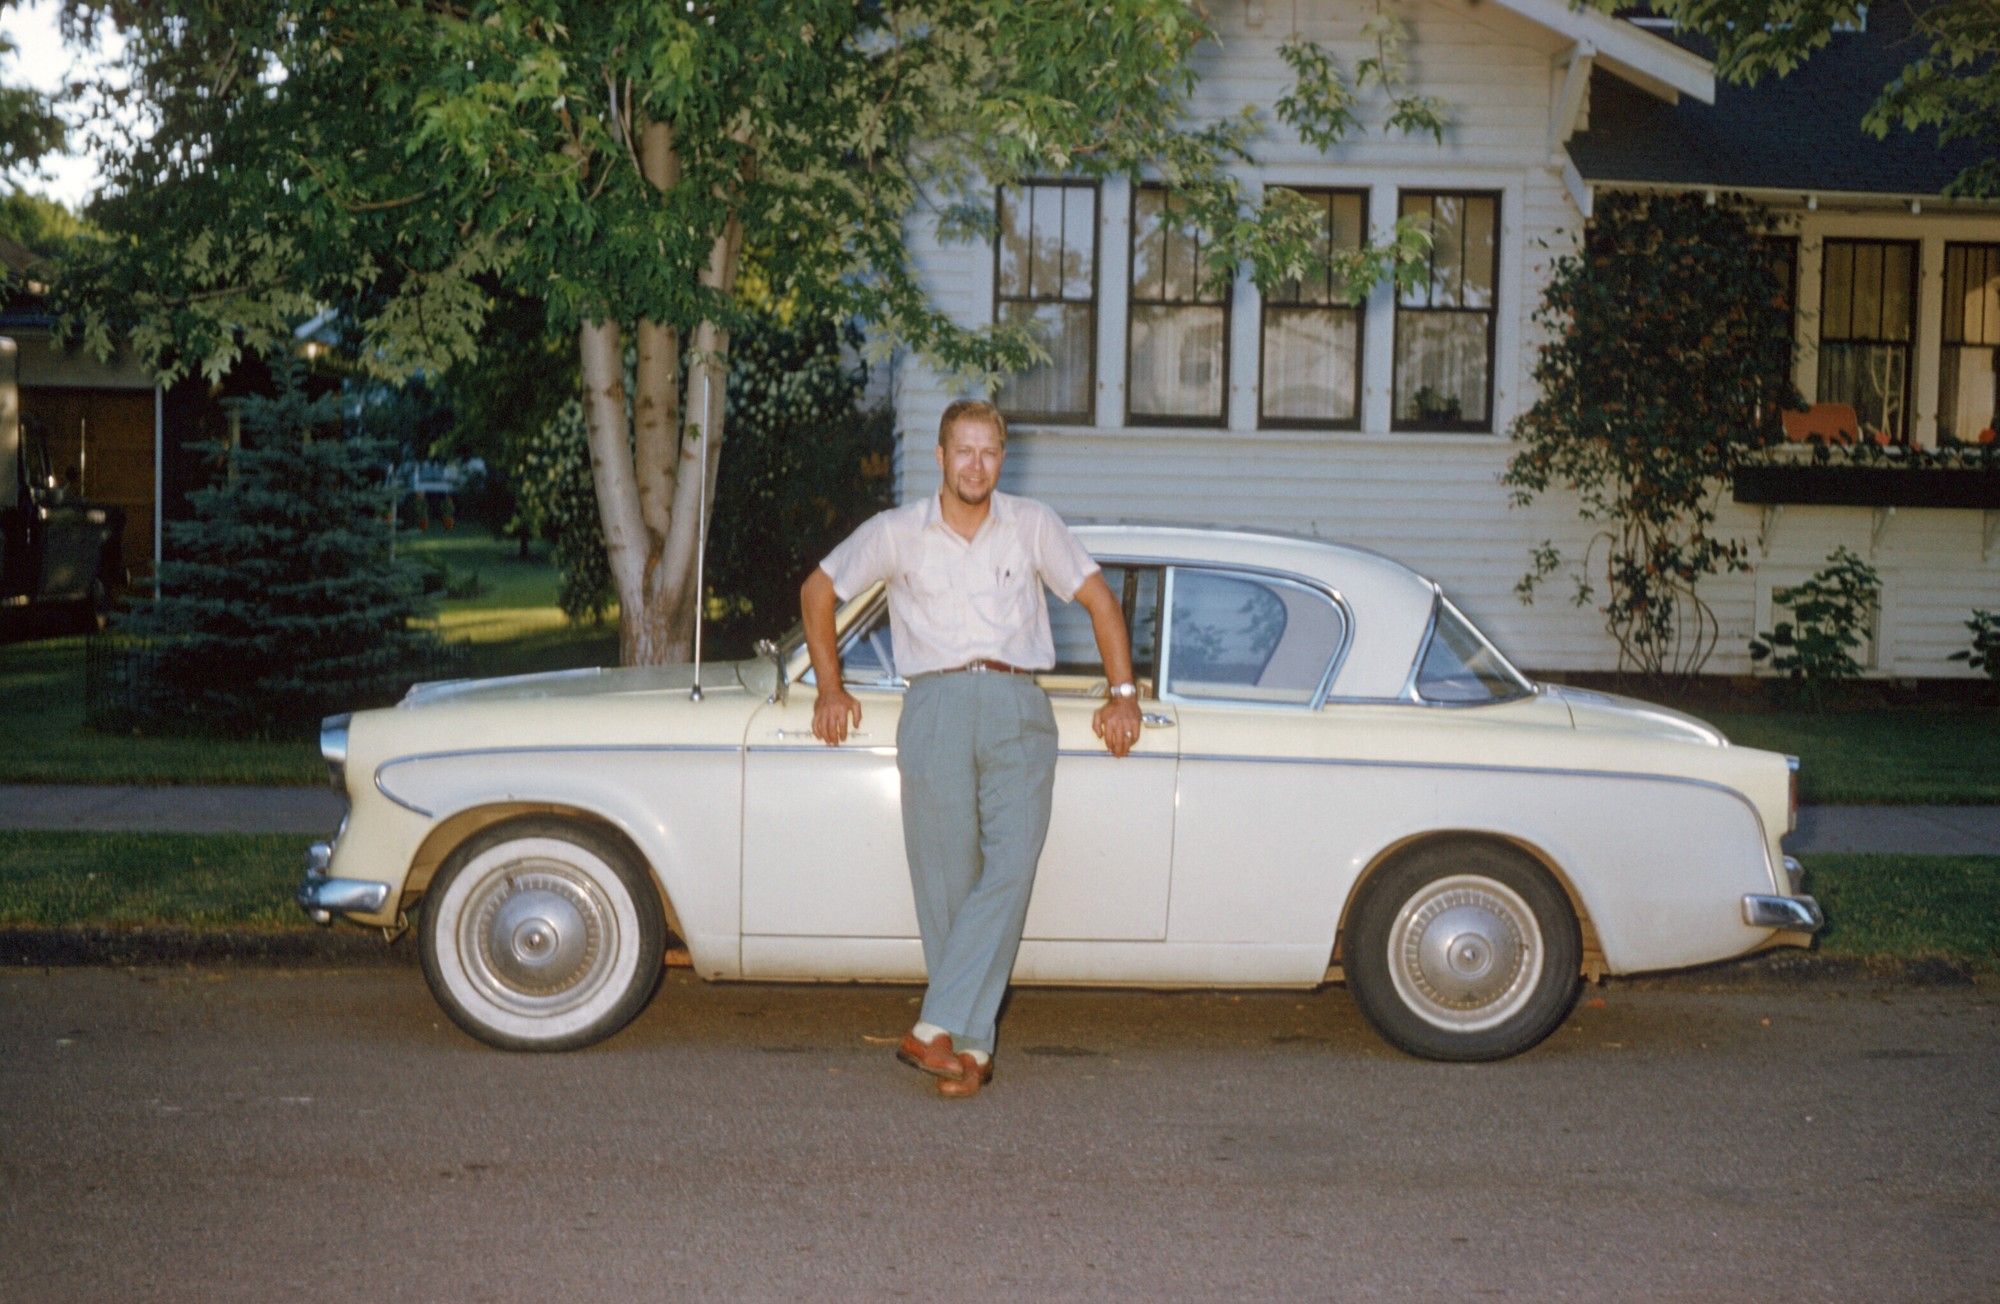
[[1655, 65]]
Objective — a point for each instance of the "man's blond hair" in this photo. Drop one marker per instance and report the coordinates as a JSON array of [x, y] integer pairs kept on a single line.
[[971, 409]]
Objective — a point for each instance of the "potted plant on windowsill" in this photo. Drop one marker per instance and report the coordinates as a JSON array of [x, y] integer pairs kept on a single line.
[[1437, 407]]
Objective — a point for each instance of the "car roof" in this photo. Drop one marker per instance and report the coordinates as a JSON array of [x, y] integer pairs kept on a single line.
[[1390, 604]]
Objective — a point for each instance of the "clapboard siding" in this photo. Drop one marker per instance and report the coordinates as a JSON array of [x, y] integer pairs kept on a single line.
[[1433, 501]]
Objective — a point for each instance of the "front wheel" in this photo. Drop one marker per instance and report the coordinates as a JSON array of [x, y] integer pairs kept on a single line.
[[541, 935], [1466, 951]]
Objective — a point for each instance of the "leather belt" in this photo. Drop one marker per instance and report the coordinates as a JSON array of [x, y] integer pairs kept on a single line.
[[980, 667]]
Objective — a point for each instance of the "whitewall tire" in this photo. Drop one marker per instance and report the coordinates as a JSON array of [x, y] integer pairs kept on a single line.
[[541, 934], [1464, 951]]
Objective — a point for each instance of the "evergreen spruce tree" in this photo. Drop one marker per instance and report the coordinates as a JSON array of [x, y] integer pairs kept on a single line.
[[280, 600]]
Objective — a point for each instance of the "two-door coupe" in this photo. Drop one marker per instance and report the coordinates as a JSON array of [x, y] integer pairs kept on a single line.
[[1339, 778]]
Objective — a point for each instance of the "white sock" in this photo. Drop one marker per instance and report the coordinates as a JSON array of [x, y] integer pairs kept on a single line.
[[928, 1032], [979, 1057]]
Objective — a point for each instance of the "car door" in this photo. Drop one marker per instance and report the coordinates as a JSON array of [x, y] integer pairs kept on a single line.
[[823, 843], [1266, 811]]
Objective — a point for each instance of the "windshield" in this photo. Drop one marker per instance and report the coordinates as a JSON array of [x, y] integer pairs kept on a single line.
[[1460, 667]]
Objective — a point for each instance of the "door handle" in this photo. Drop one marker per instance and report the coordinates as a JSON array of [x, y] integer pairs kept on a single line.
[[1156, 720], [807, 733]]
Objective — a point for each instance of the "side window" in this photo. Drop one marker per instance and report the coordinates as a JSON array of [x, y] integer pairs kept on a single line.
[[1138, 590], [1462, 668], [867, 653], [1249, 638]]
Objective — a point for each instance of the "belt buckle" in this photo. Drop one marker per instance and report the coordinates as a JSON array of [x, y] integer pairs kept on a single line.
[[978, 668]]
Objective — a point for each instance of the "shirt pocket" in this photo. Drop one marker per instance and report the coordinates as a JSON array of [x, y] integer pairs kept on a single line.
[[1007, 603]]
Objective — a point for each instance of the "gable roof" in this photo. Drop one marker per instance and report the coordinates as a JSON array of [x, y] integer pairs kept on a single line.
[[1647, 60], [1799, 132]]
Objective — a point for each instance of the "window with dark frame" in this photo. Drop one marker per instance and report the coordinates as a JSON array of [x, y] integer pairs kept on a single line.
[[1045, 278], [1444, 324], [1969, 362], [1867, 325], [1782, 254], [1311, 338], [1177, 334]]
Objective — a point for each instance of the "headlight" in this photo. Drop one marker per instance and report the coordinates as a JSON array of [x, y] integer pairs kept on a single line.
[[333, 748]]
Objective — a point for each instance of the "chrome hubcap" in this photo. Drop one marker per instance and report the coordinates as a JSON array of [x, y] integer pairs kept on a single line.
[[538, 937], [1465, 952]]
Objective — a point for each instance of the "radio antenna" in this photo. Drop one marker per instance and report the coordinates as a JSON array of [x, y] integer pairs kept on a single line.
[[701, 537]]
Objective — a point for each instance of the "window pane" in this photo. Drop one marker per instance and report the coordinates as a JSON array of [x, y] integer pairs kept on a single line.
[[1061, 386], [1177, 366], [1310, 358], [1419, 207], [1447, 250], [1460, 666], [1872, 377], [1837, 295], [1441, 367], [1079, 277], [1479, 232], [868, 656], [1183, 282], [1966, 392], [1247, 639], [1138, 592], [1013, 242], [1045, 274], [1867, 292], [1149, 244], [1897, 316], [1348, 221]]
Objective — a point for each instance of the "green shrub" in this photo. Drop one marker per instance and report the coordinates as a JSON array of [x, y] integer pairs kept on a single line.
[[1984, 654], [1831, 612]]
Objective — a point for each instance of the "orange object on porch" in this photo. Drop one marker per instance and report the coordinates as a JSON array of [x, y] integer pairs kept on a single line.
[[1833, 423]]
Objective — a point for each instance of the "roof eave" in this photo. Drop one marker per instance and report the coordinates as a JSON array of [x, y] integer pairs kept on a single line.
[[1655, 65]]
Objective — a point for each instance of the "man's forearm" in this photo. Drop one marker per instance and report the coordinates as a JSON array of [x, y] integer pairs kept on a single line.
[[817, 601]]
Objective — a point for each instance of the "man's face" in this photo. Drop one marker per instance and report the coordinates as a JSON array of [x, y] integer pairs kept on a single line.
[[970, 459]]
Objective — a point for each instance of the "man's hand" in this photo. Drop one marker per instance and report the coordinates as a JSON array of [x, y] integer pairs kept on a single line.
[[1117, 723], [834, 713]]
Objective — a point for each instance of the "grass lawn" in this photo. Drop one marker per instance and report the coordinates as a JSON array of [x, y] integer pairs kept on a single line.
[[1898, 907], [512, 626], [1889, 755], [125, 880], [1909, 907]]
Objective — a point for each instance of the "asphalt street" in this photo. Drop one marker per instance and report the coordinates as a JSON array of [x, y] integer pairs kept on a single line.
[[248, 1134]]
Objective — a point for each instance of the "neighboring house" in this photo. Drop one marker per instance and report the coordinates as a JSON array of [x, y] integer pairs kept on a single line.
[[1385, 425]]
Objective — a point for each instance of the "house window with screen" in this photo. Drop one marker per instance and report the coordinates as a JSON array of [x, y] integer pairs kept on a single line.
[[1867, 321], [1312, 334], [1045, 278], [1969, 365], [1444, 324], [1177, 348]]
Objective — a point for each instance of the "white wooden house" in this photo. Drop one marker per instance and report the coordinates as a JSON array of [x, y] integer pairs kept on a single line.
[[1385, 425]]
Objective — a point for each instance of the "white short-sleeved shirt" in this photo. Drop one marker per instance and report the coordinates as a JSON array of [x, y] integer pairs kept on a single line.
[[953, 602]]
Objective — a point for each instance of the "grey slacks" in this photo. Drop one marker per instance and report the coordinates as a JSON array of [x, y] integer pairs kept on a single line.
[[977, 756]]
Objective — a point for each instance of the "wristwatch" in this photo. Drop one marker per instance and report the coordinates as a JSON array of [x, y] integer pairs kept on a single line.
[[1116, 691]]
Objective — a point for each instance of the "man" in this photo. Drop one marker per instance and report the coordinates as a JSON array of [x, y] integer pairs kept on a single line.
[[976, 747]]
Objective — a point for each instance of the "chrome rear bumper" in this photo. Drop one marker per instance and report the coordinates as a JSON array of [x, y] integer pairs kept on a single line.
[[1793, 914], [323, 897]]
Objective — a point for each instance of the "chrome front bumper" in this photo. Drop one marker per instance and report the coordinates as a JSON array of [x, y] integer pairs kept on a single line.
[[323, 897], [1796, 913]]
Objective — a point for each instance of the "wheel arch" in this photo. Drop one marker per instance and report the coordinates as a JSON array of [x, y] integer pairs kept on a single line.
[[452, 832], [1593, 965]]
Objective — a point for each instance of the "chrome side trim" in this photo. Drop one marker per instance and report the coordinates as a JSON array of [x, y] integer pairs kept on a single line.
[[414, 758], [817, 748], [1634, 776], [1793, 914]]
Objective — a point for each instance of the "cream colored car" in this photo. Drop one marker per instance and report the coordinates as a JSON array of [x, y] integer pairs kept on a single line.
[[1339, 778]]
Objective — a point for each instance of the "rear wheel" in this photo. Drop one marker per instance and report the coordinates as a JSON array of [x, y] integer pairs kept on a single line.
[[1464, 951], [542, 935]]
